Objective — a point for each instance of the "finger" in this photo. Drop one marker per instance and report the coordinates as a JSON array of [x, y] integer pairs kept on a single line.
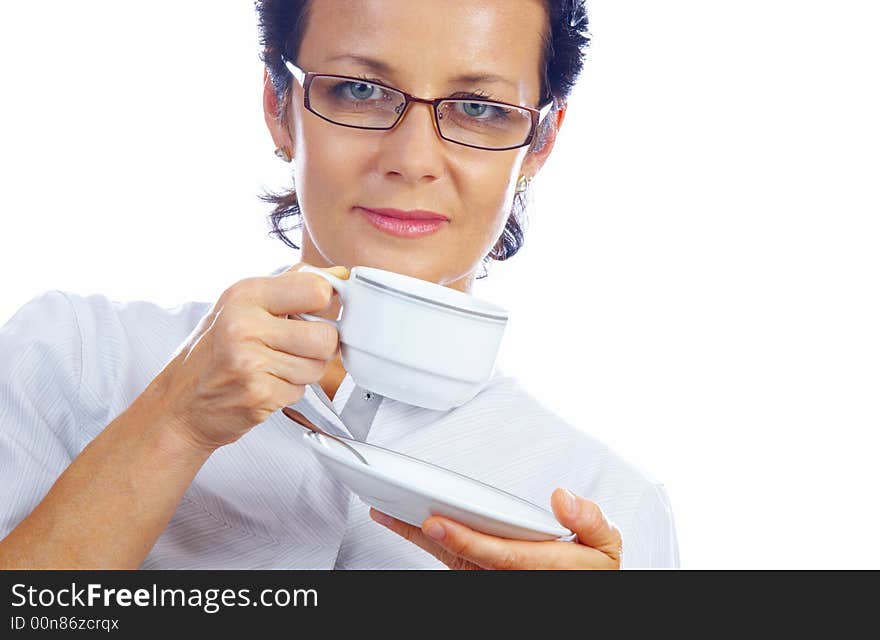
[[417, 537], [585, 518], [492, 552], [274, 393], [293, 292], [294, 369], [339, 271], [303, 338], [462, 544]]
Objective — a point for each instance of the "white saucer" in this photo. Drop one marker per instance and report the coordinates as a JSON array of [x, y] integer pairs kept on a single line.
[[411, 490]]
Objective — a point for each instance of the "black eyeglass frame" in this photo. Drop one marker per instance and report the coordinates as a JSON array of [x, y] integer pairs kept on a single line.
[[305, 79]]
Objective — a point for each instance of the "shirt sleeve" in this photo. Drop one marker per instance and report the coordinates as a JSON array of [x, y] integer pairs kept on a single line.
[[40, 370], [653, 542]]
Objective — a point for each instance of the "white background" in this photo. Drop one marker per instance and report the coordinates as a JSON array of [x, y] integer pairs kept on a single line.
[[699, 285]]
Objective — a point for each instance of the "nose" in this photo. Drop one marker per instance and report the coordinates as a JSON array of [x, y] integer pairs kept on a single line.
[[413, 150]]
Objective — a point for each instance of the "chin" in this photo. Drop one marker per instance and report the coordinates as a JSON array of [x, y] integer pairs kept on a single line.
[[408, 263]]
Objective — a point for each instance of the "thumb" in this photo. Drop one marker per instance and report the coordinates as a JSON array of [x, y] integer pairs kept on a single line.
[[585, 518], [339, 271]]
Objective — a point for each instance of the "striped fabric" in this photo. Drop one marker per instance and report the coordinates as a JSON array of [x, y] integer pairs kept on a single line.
[[70, 364]]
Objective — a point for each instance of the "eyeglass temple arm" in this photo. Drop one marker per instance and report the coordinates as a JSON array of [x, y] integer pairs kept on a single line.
[[298, 73], [543, 111]]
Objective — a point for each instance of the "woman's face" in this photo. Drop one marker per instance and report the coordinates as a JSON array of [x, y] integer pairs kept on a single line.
[[425, 45]]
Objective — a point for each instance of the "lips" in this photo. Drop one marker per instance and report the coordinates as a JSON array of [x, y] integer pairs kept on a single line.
[[408, 227], [412, 214]]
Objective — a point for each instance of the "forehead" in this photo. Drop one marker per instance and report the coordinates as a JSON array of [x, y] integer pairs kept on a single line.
[[427, 42]]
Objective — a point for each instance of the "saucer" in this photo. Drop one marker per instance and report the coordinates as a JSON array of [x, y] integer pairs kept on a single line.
[[411, 490]]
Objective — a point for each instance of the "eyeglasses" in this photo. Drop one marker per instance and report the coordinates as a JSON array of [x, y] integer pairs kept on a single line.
[[361, 104]]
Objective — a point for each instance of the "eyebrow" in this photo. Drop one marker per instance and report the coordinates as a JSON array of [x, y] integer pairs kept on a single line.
[[382, 67]]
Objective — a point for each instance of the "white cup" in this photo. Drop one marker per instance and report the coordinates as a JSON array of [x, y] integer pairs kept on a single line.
[[412, 340]]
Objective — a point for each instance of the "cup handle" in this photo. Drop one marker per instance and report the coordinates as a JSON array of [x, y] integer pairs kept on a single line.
[[340, 285]]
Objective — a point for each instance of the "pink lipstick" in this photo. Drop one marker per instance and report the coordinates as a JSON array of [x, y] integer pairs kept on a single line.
[[408, 224]]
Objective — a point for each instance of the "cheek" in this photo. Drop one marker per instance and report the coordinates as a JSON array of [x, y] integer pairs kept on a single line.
[[328, 174], [489, 196]]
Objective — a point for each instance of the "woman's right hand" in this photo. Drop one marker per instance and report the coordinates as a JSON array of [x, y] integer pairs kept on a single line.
[[246, 359]]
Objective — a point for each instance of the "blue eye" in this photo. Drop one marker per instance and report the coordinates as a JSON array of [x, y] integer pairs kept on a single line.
[[484, 113], [360, 90], [475, 109]]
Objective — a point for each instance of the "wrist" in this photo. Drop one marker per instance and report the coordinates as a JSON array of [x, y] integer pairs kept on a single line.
[[175, 440], [170, 435]]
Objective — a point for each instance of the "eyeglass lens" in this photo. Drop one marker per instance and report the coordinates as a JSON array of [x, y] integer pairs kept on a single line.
[[474, 122]]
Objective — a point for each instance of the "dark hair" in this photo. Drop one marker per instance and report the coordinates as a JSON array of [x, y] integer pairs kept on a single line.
[[282, 25]]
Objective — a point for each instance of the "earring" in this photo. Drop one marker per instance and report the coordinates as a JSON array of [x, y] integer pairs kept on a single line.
[[283, 153], [522, 184]]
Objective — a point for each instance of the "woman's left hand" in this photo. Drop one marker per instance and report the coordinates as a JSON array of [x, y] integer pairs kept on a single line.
[[598, 546]]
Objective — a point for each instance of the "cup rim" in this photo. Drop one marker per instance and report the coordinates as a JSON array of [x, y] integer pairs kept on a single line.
[[469, 304]]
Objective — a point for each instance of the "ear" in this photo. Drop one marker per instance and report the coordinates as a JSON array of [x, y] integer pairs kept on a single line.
[[537, 156], [278, 131]]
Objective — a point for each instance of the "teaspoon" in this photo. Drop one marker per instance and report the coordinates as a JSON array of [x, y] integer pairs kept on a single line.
[[301, 420]]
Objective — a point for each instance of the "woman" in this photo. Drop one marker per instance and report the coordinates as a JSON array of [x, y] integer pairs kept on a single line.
[[135, 436]]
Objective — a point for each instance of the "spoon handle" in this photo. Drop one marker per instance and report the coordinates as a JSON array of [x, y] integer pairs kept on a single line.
[[301, 420]]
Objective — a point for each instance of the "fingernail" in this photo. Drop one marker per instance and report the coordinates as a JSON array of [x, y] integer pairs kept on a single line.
[[571, 503], [381, 518], [435, 531], [338, 270]]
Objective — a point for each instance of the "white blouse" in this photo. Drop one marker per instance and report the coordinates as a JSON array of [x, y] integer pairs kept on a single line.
[[70, 364]]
